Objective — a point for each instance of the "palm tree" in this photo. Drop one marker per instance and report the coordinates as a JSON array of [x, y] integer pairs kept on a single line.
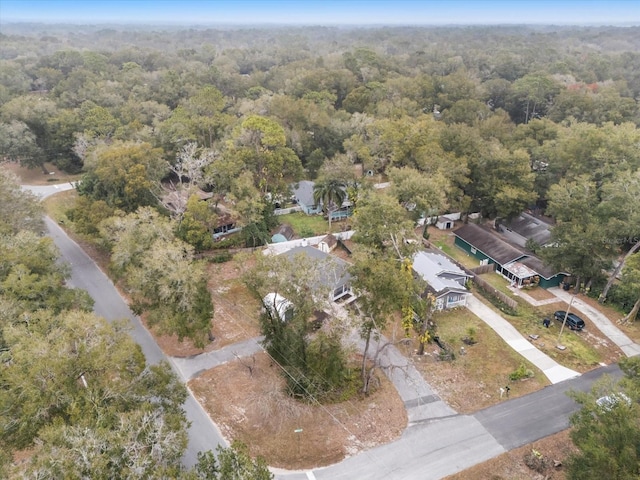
[[331, 194]]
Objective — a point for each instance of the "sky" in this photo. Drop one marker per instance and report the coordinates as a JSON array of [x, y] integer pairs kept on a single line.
[[324, 12]]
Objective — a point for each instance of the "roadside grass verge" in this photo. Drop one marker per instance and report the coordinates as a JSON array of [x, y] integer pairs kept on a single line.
[[56, 206]]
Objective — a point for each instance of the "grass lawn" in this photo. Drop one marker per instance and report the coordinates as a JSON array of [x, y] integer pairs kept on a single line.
[[499, 283], [306, 225], [57, 205], [585, 350], [472, 381], [443, 239]]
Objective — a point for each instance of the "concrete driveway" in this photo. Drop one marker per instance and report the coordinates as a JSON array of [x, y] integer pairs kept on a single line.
[[601, 322], [553, 370]]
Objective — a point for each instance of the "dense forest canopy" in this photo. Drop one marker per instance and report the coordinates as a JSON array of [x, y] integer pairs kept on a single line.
[[489, 119]]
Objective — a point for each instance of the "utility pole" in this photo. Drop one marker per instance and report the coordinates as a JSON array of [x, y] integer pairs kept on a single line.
[[564, 322]]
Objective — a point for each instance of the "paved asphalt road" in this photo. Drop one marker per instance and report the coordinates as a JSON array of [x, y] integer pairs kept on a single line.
[[523, 420], [427, 450], [203, 433]]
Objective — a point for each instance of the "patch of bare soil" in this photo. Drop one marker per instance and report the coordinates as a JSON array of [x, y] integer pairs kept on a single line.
[[470, 382], [247, 400], [514, 465], [539, 293], [237, 312], [36, 176]]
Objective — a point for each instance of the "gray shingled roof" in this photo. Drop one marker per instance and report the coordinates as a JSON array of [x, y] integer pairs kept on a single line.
[[303, 191], [534, 263], [333, 270], [529, 227], [488, 243], [500, 251]]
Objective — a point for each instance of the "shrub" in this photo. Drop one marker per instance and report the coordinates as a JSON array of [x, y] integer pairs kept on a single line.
[[470, 338], [521, 373], [221, 257]]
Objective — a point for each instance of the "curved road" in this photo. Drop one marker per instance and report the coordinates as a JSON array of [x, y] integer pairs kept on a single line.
[[203, 433], [428, 449]]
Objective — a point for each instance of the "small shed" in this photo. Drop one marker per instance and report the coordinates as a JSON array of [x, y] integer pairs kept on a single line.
[[444, 223], [328, 243], [276, 304], [447, 222], [285, 230]]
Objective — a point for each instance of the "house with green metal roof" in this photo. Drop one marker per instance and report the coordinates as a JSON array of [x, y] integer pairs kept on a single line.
[[520, 267]]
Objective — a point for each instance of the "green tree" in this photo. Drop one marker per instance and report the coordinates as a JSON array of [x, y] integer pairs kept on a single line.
[[197, 224], [620, 208], [382, 286], [501, 182], [261, 144], [172, 288], [330, 194], [314, 364], [579, 244], [414, 189], [123, 175], [532, 94], [608, 435], [129, 237], [253, 210], [25, 212], [31, 277], [160, 273], [382, 289], [18, 144], [232, 463], [36, 113], [383, 224], [79, 387], [630, 284]]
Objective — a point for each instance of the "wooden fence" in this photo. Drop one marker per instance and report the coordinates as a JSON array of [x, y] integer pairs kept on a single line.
[[483, 269], [491, 290]]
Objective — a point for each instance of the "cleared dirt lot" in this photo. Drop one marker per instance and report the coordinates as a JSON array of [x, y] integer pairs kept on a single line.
[[248, 403]]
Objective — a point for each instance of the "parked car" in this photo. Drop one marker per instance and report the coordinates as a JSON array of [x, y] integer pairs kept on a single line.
[[609, 401], [574, 322]]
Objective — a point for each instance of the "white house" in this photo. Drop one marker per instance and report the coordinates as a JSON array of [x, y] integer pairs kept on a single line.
[[444, 279]]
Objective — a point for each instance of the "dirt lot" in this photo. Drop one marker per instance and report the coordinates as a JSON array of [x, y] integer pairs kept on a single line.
[[247, 400], [35, 176]]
